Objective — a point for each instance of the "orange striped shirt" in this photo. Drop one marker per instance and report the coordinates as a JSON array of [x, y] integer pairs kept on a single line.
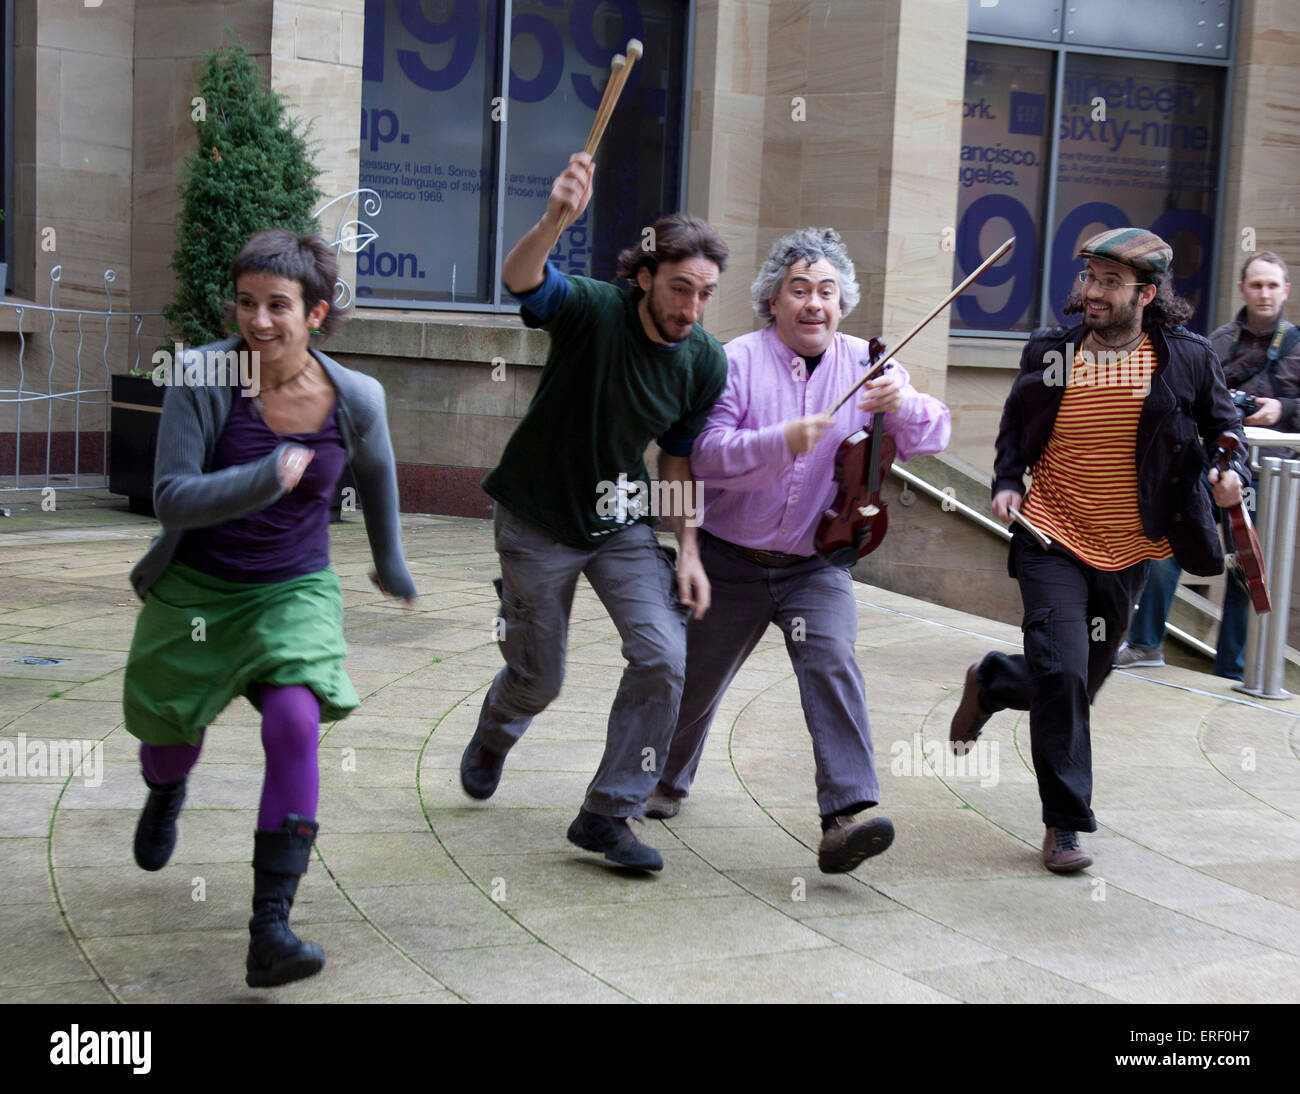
[[1083, 493]]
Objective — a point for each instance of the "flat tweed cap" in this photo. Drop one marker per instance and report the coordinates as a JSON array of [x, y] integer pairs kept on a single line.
[[1144, 251]]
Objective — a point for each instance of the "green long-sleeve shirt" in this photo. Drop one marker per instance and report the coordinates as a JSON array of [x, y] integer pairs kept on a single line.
[[606, 391]]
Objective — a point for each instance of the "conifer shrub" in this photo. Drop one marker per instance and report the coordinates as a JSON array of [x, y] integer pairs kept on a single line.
[[252, 169]]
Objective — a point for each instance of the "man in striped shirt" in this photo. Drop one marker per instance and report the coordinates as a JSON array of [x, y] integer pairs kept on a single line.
[[1106, 414]]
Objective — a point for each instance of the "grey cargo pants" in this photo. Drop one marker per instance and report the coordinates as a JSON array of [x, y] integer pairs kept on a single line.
[[635, 579]]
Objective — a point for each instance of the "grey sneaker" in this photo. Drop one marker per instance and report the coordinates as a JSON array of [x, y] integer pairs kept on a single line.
[[1134, 657], [661, 806]]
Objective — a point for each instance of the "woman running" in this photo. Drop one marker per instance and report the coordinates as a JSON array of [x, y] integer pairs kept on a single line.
[[239, 598]]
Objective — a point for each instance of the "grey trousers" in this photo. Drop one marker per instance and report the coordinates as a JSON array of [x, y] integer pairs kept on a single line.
[[812, 602], [635, 578]]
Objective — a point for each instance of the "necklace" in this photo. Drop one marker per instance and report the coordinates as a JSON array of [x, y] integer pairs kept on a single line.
[[291, 379], [1119, 346], [257, 399]]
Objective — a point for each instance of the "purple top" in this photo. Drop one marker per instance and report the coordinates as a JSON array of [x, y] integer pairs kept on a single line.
[[756, 493], [290, 537]]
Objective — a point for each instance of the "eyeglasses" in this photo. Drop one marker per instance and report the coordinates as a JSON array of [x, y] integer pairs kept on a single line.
[[1109, 283]]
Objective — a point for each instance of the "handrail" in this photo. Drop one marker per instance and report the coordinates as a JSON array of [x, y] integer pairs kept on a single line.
[[1278, 499], [950, 502], [989, 524]]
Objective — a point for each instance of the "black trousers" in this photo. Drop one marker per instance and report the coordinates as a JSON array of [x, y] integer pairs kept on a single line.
[[1075, 619]]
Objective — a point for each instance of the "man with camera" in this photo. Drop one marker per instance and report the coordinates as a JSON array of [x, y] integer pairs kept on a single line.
[[1260, 352]]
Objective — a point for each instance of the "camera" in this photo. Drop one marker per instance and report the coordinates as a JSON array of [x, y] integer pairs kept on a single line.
[[1245, 403]]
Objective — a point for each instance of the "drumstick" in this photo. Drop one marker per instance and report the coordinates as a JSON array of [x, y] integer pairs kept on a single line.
[[619, 70], [613, 88]]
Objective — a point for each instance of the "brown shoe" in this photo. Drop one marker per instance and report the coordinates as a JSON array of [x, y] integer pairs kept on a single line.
[[847, 842], [969, 720], [661, 806], [1062, 853]]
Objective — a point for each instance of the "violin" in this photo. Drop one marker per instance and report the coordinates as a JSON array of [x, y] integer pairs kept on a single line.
[[855, 524], [1244, 556], [857, 520]]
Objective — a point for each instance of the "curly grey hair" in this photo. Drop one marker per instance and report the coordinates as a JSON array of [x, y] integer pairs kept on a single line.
[[810, 244]]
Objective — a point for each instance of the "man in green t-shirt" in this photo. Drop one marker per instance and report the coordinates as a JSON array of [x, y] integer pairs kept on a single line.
[[573, 496]]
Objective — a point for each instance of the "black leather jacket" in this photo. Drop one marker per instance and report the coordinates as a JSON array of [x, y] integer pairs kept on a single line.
[[1187, 397]]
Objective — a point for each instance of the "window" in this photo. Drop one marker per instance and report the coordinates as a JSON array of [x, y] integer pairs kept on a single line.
[[1005, 152], [463, 174], [1059, 144]]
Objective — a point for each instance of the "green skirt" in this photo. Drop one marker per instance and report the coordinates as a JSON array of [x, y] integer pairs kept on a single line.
[[200, 641]]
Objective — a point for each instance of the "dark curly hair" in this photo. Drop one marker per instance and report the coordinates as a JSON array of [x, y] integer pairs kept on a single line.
[[306, 259], [1165, 311], [675, 237]]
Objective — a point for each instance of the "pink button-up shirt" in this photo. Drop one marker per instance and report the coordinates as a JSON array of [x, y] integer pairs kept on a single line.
[[756, 492]]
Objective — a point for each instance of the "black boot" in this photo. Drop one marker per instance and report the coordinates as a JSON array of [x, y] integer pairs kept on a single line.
[[275, 954], [155, 834]]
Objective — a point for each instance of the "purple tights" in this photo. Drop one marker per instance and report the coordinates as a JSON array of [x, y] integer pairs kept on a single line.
[[290, 725]]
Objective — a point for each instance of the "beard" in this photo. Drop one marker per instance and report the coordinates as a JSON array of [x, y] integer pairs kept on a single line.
[[661, 320], [1119, 322]]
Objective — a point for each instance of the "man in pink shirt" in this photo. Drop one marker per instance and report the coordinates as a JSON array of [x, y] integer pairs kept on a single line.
[[766, 458]]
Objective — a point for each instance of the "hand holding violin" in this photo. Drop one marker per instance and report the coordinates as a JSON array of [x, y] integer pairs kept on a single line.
[[884, 394], [1227, 488]]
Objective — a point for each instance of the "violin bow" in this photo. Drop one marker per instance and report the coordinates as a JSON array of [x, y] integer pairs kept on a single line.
[[921, 325]]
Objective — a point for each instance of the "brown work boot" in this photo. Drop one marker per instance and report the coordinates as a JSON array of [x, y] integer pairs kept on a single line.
[[969, 719], [1062, 853], [847, 842]]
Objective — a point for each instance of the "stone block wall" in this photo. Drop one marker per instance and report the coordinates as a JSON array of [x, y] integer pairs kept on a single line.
[[456, 389], [1263, 153], [801, 113], [846, 116], [73, 133], [316, 64]]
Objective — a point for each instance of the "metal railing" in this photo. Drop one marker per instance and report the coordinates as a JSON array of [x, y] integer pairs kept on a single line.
[[946, 499], [1278, 502], [86, 393], [911, 481], [92, 388]]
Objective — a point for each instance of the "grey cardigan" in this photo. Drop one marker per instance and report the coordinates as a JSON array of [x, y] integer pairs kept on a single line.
[[186, 495]]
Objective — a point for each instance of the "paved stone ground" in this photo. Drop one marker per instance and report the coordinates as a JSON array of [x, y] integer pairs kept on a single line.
[[419, 894]]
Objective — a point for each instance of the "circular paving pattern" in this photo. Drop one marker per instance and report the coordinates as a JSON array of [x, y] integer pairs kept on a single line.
[[419, 893]]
